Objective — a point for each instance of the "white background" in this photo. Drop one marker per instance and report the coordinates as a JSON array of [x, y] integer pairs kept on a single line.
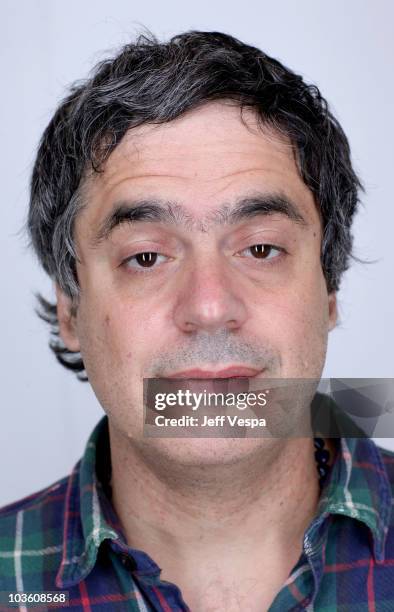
[[346, 48]]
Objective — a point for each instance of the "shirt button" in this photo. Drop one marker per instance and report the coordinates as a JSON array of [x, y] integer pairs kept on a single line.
[[127, 562]]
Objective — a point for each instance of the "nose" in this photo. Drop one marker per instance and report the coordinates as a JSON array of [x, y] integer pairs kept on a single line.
[[209, 299]]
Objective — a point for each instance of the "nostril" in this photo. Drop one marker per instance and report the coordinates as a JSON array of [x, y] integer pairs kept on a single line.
[[232, 323]]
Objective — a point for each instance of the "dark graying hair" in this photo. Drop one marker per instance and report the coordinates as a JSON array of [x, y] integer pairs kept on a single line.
[[153, 82]]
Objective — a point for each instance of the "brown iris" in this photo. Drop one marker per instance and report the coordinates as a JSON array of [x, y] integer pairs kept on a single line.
[[146, 259], [260, 251]]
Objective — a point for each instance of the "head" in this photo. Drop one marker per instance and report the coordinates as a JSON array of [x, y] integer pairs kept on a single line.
[[192, 202]]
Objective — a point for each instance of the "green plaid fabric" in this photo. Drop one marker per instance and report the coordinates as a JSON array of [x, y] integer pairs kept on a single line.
[[67, 537]]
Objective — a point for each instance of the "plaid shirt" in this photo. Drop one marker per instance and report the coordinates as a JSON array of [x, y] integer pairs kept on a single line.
[[67, 537]]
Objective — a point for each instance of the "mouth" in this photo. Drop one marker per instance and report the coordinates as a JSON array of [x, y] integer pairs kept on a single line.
[[236, 371]]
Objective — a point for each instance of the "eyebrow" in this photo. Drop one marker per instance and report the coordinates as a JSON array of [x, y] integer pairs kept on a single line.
[[173, 213]]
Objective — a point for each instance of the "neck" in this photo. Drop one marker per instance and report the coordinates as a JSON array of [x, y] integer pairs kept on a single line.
[[169, 509]]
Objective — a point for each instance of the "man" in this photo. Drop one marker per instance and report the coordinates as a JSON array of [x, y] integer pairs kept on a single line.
[[192, 202]]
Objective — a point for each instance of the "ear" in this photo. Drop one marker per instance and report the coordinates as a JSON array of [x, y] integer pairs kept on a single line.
[[67, 320], [332, 310]]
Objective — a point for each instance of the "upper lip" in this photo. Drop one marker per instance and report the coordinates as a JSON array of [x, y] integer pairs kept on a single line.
[[227, 372]]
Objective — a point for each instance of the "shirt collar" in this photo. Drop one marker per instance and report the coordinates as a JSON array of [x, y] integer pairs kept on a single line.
[[357, 487], [87, 513]]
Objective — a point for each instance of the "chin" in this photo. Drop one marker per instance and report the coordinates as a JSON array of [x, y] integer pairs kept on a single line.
[[204, 451]]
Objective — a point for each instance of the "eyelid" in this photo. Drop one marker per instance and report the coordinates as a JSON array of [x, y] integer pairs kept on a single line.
[[137, 247]]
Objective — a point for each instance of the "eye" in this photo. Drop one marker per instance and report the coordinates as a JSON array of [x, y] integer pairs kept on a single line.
[[147, 259], [262, 251]]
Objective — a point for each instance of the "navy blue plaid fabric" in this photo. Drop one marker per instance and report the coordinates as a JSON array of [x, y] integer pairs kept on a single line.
[[67, 537]]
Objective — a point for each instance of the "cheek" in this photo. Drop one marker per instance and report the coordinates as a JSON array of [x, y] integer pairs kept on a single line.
[[298, 328], [110, 353], [115, 337]]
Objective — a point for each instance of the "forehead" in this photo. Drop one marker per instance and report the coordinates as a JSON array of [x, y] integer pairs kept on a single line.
[[203, 158]]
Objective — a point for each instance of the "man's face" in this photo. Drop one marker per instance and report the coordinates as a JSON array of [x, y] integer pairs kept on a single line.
[[225, 282]]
